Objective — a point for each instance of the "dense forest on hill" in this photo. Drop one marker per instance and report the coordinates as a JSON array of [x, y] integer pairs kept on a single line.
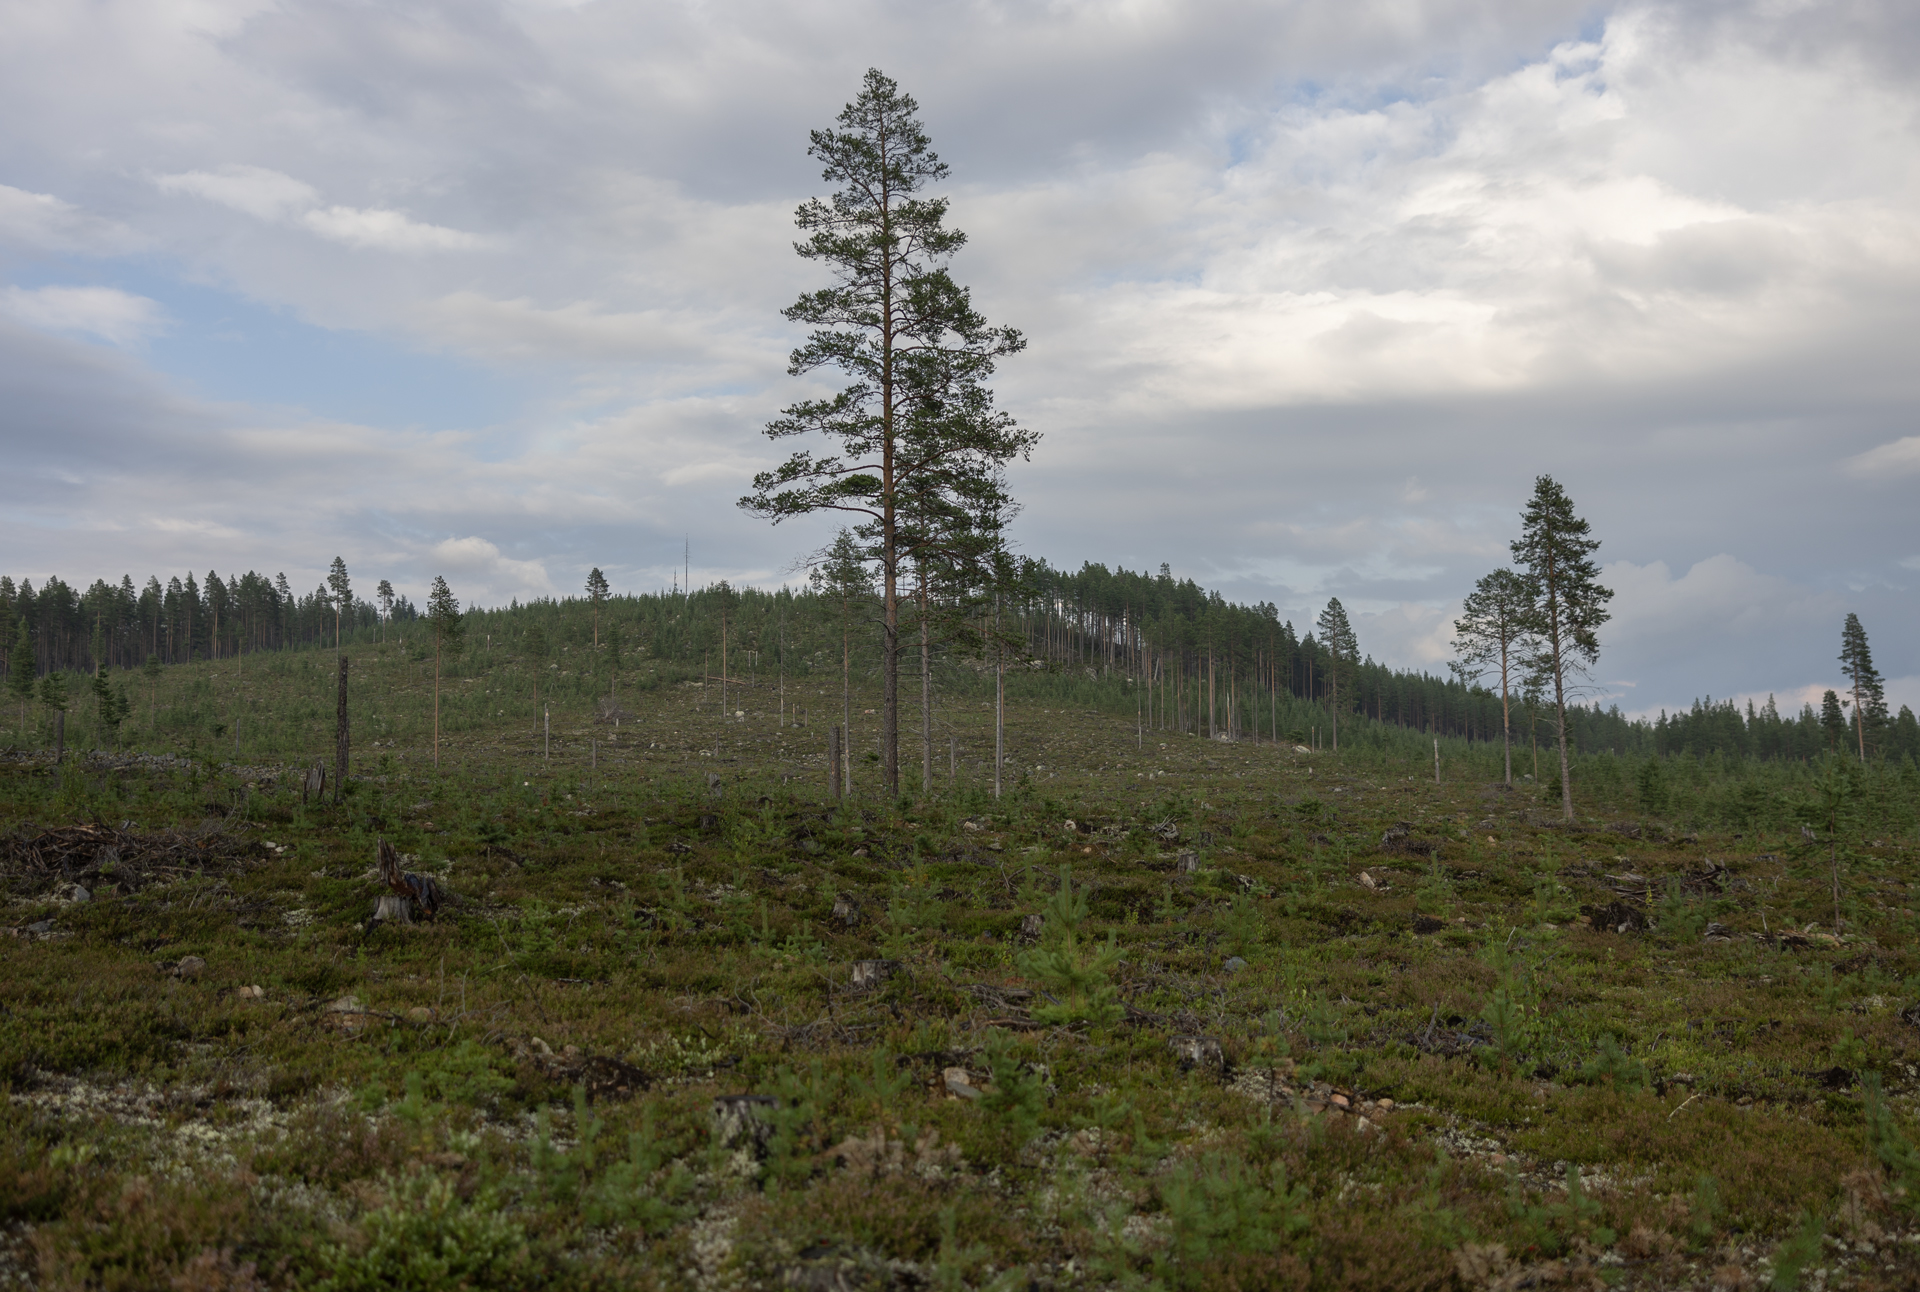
[[1179, 656]]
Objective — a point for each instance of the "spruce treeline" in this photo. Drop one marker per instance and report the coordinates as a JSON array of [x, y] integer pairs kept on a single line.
[[1182, 657], [119, 626]]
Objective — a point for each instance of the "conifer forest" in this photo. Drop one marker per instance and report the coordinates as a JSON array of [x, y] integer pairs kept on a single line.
[[943, 920]]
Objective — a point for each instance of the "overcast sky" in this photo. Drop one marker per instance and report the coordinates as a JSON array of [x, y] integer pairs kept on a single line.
[[1314, 291]]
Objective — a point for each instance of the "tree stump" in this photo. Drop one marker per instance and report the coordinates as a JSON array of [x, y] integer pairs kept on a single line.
[[393, 909], [744, 1122], [869, 974]]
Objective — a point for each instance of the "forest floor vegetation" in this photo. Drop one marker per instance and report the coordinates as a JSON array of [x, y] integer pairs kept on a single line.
[[1168, 1012]]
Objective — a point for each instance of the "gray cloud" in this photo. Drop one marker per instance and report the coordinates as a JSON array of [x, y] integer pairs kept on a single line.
[[1314, 292]]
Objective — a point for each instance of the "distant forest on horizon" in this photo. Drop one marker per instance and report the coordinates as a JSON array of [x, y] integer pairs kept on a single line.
[[1184, 657]]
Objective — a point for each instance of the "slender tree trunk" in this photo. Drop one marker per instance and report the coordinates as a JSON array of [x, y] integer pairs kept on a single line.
[[340, 741], [436, 700], [846, 690], [1333, 681], [1560, 717], [1506, 715], [999, 702], [926, 692]]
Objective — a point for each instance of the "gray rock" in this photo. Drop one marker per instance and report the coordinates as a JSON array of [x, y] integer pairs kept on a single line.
[[959, 1083], [1234, 964], [189, 967]]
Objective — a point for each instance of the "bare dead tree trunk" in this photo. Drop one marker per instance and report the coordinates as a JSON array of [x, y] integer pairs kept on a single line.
[[846, 692], [926, 691], [340, 741]]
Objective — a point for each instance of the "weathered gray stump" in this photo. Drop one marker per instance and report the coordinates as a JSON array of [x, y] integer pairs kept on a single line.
[[393, 909], [869, 974], [743, 1121]]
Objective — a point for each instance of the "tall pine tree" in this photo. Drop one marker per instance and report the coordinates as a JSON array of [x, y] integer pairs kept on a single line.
[[340, 591], [1343, 655], [1569, 605], [449, 630], [1869, 694], [596, 593], [383, 594], [1490, 636], [915, 415]]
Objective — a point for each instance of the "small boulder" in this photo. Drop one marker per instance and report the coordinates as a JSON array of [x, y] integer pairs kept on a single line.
[[958, 1083], [1234, 964], [188, 967]]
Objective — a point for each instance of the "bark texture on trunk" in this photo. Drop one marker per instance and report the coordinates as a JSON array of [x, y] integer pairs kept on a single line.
[[340, 733]]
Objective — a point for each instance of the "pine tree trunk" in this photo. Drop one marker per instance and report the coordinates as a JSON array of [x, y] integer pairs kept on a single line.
[[1334, 683], [1506, 715], [846, 691], [999, 722], [1560, 727], [339, 737], [926, 693]]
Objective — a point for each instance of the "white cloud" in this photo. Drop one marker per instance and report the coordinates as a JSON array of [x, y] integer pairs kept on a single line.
[[480, 560], [388, 231], [46, 223], [1899, 458], [1716, 597], [252, 190], [273, 196], [106, 312], [581, 331], [1313, 291]]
